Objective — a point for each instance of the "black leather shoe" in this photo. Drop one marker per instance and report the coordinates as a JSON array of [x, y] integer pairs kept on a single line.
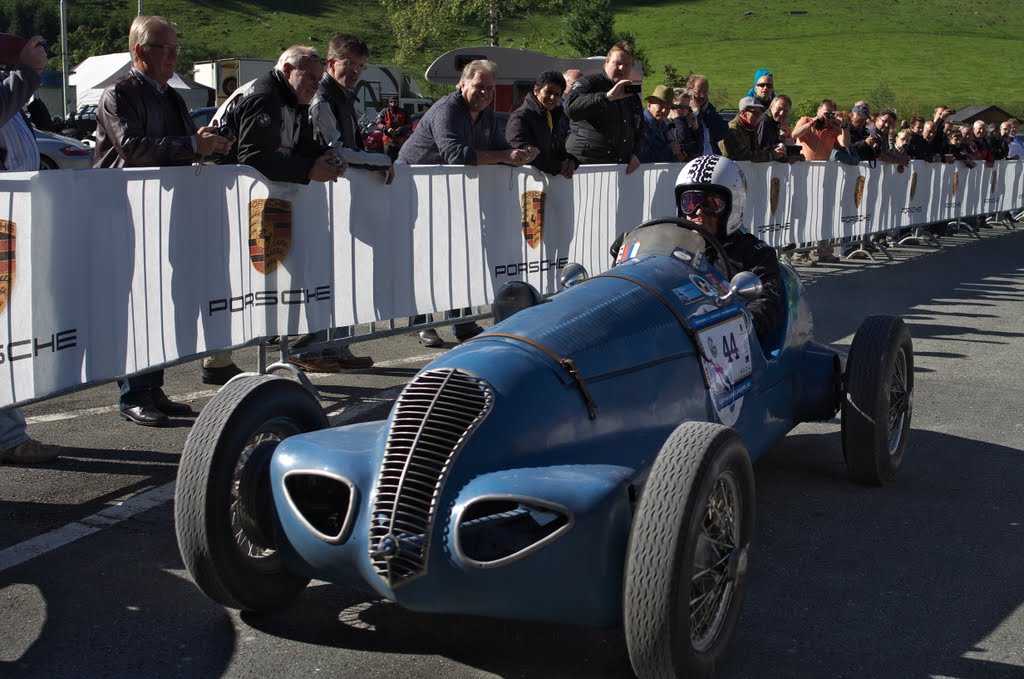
[[169, 407], [147, 416], [220, 375], [465, 331]]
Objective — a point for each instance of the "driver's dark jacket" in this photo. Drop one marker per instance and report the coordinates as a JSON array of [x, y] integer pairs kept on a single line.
[[746, 253], [600, 130], [274, 133], [138, 126], [750, 253]]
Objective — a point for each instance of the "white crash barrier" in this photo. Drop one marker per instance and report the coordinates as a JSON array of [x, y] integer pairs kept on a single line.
[[113, 271]]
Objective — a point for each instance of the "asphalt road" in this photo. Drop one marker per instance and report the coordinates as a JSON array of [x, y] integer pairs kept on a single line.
[[922, 578]]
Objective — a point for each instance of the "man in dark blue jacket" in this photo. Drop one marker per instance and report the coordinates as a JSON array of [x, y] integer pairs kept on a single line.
[[712, 124]]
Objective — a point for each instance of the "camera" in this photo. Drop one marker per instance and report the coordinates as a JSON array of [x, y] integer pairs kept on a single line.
[[793, 150], [822, 123], [225, 131], [633, 88]]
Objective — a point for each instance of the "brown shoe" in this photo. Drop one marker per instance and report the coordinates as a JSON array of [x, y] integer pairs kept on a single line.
[[30, 452], [353, 362], [315, 365]]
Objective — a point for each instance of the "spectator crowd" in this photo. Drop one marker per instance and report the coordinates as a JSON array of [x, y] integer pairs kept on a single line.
[[297, 124]]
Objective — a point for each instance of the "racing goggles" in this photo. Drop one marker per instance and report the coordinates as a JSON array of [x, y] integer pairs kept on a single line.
[[709, 203]]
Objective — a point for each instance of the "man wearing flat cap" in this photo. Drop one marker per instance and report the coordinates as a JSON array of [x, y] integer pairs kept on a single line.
[[740, 141], [659, 143]]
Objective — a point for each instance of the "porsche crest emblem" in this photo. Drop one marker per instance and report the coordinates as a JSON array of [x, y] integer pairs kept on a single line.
[[533, 217], [7, 252], [913, 185], [773, 194], [858, 191], [270, 232], [956, 183]]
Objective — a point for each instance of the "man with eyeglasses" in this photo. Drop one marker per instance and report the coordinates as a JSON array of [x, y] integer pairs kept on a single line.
[[332, 114], [143, 122]]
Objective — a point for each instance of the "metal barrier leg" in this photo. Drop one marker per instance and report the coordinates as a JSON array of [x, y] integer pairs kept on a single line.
[[285, 366], [960, 225]]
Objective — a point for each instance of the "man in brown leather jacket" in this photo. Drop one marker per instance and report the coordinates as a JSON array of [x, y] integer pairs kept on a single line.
[[143, 122]]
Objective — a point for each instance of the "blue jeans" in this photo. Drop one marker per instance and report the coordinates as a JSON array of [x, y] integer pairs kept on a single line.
[[138, 390], [12, 428]]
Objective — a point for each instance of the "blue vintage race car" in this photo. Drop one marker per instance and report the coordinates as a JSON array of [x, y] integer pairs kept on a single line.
[[587, 460]]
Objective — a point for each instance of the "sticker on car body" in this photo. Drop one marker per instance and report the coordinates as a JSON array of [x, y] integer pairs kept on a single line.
[[728, 368], [703, 285]]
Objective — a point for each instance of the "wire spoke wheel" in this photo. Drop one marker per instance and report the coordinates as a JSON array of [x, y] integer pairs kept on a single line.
[[879, 399], [898, 401], [686, 566], [224, 512], [712, 585]]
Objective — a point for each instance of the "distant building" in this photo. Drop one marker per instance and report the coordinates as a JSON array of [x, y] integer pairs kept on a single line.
[[990, 114]]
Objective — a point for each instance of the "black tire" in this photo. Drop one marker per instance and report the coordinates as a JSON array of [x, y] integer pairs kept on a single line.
[[223, 491], [46, 164], [668, 544], [879, 399]]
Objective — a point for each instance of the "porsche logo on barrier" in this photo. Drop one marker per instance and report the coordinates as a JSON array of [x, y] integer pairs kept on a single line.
[[858, 191], [956, 183], [270, 232], [913, 185], [773, 194], [7, 252], [533, 217]]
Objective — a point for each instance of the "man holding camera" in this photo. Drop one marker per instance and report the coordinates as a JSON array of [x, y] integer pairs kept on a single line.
[[740, 141], [606, 118], [818, 136], [143, 122]]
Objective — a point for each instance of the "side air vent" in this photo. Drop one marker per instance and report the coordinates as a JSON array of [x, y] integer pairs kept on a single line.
[[497, 530], [434, 417], [324, 502]]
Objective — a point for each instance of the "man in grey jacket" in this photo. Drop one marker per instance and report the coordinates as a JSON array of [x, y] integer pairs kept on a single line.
[[20, 153]]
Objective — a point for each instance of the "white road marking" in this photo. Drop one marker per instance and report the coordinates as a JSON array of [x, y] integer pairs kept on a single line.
[[47, 542], [207, 393], [55, 539]]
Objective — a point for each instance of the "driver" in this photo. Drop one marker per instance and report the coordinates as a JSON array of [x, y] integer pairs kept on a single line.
[[711, 192]]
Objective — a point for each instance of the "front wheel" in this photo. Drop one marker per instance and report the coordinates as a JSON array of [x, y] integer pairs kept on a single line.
[[686, 566], [223, 509], [879, 399]]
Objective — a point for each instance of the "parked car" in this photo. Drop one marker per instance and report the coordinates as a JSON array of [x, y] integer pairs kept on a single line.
[[587, 460], [57, 152]]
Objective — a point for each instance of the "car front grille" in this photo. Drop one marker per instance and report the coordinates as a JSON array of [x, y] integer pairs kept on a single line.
[[434, 417]]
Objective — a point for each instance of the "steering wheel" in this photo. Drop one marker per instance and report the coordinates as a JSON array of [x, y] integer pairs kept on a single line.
[[684, 223]]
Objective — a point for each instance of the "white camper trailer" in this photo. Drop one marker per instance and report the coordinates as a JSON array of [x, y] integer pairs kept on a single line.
[[375, 86]]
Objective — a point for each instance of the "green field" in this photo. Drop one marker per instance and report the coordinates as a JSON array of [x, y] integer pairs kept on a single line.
[[909, 54]]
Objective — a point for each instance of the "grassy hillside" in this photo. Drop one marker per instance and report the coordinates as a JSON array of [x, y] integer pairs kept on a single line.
[[912, 55]]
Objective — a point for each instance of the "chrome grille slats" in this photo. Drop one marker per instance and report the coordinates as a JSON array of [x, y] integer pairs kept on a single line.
[[434, 417]]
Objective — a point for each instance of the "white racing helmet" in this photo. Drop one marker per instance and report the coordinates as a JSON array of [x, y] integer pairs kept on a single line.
[[716, 172]]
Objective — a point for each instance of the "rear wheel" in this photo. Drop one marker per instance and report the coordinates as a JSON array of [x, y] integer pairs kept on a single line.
[[47, 164], [223, 512], [879, 399], [686, 568]]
